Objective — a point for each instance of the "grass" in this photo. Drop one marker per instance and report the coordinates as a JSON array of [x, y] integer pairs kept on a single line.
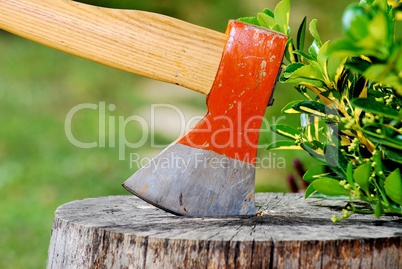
[[40, 169]]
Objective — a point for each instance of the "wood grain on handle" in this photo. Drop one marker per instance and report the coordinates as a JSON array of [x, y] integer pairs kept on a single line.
[[147, 44]]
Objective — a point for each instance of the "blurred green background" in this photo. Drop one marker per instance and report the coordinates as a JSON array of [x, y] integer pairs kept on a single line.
[[40, 169]]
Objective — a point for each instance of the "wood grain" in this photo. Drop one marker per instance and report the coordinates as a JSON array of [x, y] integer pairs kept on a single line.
[[139, 42], [125, 232]]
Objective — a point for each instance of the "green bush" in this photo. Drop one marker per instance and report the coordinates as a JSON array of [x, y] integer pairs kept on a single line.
[[351, 119]]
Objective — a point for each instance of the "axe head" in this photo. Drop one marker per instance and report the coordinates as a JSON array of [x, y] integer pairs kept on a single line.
[[190, 181], [210, 171]]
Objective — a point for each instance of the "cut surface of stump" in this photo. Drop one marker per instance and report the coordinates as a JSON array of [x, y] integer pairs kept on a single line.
[[126, 232]]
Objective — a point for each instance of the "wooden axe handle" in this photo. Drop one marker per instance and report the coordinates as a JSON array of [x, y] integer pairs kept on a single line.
[[148, 44]]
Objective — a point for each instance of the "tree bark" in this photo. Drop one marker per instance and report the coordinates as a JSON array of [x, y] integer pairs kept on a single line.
[[125, 232]]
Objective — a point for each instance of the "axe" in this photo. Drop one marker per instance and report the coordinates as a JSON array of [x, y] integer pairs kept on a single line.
[[210, 171]]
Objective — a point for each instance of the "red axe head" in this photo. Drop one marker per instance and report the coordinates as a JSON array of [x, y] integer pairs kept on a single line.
[[212, 168]]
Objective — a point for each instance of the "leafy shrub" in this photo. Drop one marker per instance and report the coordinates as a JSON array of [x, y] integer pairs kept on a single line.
[[351, 119]]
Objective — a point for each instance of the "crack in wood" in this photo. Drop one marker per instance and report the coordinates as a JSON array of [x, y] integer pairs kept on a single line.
[[272, 254]]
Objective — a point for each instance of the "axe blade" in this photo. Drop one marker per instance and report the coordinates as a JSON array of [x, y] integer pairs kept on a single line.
[[188, 181], [211, 170]]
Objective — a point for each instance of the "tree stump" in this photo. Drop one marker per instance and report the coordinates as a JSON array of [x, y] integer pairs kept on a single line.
[[125, 232]]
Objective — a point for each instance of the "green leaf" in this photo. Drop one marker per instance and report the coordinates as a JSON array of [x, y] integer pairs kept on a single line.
[[393, 154], [313, 150], [289, 44], [361, 176], [376, 94], [382, 73], [393, 186], [282, 15], [314, 31], [265, 20], [335, 66], [313, 108], [301, 35], [378, 28], [377, 72], [355, 22], [330, 187], [383, 5], [398, 64], [395, 143], [309, 191], [357, 64], [282, 144], [291, 68], [304, 54], [379, 108], [269, 12], [316, 172], [345, 48], [384, 132], [288, 109], [378, 210], [336, 160], [322, 56], [369, 2], [286, 131], [331, 66], [306, 75], [251, 20], [310, 126], [314, 49]]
